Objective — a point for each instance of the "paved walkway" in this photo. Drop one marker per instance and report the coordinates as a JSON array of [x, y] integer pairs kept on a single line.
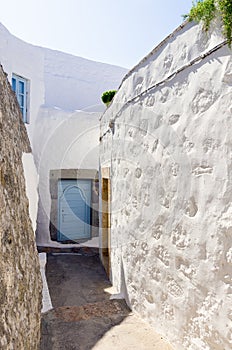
[[83, 316]]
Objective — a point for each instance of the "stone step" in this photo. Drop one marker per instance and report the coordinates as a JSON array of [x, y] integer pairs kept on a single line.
[[86, 251]]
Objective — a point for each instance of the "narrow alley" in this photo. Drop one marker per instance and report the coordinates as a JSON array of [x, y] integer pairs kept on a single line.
[[83, 315]]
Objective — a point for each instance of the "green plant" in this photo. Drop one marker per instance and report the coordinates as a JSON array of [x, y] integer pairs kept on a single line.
[[225, 7], [206, 10], [107, 96]]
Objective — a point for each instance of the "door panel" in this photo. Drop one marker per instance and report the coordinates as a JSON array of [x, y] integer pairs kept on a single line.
[[74, 197]]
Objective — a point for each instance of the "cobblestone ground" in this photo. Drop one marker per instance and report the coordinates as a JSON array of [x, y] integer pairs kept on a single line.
[[83, 316]]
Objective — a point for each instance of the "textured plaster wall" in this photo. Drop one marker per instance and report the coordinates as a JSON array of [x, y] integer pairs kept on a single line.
[[167, 140], [20, 280]]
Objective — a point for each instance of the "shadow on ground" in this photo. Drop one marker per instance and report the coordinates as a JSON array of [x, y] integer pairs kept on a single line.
[[82, 312]]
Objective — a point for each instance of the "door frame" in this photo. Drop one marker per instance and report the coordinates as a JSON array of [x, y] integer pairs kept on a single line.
[[74, 174], [105, 225]]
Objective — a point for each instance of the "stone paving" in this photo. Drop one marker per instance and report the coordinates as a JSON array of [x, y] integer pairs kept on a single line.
[[83, 316]]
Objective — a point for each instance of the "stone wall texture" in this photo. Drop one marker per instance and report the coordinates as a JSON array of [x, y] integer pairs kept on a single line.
[[20, 280], [168, 142]]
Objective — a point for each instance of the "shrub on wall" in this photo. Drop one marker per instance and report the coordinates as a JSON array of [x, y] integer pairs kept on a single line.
[[206, 10], [107, 96]]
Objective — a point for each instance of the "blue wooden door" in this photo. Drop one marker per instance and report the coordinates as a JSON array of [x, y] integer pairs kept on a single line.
[[74, 197]]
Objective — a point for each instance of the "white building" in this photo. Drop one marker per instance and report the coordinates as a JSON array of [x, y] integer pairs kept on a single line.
[[59, 96], [166, 188]]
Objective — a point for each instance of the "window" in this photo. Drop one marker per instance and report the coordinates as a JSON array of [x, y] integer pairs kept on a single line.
[[20, 87]]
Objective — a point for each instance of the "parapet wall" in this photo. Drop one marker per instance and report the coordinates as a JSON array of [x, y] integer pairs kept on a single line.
[[20, 280], [167, 140]]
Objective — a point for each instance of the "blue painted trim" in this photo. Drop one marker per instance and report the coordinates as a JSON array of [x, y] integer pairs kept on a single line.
[[19, 86]]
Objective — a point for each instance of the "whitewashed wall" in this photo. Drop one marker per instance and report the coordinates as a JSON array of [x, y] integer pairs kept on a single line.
[[168, 140], [63, 141], [31, 181], [27, 61], [60, 86], [56, 79]]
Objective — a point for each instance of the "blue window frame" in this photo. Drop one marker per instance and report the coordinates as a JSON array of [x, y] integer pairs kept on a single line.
[[19, 86]]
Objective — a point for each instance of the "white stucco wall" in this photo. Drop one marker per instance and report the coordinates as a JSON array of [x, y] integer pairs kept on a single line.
[[63, 141], [56, 79], [47, 303], [60, 86], [27, 61], [32, 181], [75, 83], [167, 138]]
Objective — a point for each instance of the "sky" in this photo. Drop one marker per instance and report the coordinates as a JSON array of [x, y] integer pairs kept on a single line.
[[118, 32]]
